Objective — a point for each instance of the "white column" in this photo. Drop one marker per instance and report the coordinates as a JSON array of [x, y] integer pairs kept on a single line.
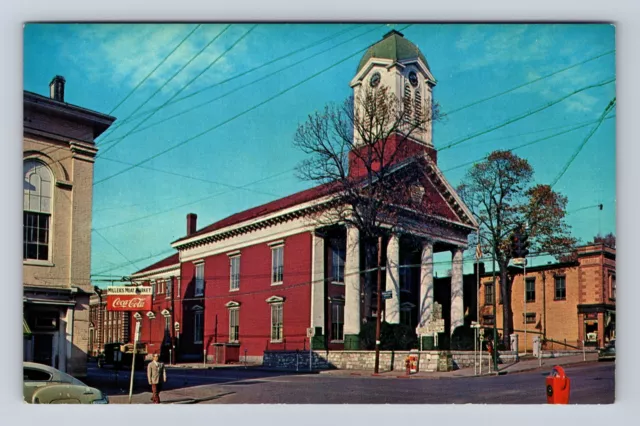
[[352, 283], [317, 281], [392, 306], [426, 284], [457, 306]]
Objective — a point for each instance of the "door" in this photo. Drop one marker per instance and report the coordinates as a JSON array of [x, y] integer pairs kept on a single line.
[[43, 349]]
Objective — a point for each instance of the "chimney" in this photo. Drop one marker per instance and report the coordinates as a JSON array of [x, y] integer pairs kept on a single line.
[[192, 220], [56, 88]]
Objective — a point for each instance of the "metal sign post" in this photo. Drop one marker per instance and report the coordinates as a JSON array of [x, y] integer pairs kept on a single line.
[[310, 333], [133, 358]]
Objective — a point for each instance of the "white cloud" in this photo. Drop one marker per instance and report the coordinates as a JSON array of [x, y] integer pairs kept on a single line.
[[123, 54]]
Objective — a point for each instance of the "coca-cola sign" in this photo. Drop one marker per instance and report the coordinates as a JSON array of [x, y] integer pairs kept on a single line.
[[129, 299]]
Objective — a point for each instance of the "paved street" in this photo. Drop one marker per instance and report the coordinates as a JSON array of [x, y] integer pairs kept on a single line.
[[591, 383]]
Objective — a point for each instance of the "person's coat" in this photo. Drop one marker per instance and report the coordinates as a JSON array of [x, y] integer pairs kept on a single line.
[[155, 370]]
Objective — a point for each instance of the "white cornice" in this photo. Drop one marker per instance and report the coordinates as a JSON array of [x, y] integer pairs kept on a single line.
[[157, 273], [256, 221]]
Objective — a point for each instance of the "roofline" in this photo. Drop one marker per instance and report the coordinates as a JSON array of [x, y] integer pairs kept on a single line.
[[255, 221], [149, 272], [99, 120]]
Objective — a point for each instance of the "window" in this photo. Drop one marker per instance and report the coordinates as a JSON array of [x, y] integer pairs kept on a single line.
[[234, 324], [198, 326], [199, 290], [405, 277], [235, 273], [37, 208], [487, 320], [337, 265], [612, 286], [34, 375], [277, 264], [488, 294], [417, 114], [160, 284], [276, 322], [407, 101], [530, 318], [405, 317], [531, 290], [167, 323], [337, 321], [561, 288], [169, 289], [153, 289]]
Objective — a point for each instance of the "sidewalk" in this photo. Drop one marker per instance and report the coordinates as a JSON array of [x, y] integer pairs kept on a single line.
[[517, 367], [190, 395]]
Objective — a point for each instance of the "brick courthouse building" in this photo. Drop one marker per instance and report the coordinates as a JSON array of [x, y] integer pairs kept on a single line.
[[257, 280]]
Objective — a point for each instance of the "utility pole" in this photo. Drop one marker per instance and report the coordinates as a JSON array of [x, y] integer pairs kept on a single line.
[[378, 306], [495, 313]]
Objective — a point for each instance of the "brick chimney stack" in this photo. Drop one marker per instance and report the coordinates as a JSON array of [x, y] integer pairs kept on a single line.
[[56, 88], [192, 221]]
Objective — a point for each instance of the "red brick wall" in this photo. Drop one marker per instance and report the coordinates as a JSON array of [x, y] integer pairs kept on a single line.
[[406, 149], [255, 288]]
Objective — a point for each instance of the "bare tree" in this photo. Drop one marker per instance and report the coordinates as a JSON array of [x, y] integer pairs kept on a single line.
[[368, 132], [500, 194]]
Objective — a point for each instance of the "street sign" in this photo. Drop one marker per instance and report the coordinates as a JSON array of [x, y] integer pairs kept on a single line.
[[435, 326], [387, 295], [519, 261], [475, 324], [129, 298], [311, 331]]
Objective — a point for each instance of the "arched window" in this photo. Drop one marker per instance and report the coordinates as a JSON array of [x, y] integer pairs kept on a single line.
[[417, 114], [37, 209], [407, 101]]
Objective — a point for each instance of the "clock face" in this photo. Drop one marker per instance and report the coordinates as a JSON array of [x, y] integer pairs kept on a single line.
[[375, 79], [413, 79]]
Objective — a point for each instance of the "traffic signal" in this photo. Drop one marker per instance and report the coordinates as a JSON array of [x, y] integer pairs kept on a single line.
[[524, 245], [515, 243]]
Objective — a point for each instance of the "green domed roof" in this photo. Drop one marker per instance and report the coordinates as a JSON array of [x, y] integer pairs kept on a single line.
[[393, 46]]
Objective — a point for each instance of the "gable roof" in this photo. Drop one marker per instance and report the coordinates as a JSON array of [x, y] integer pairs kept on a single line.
[[264, 209], [449, 195], [172, 260]]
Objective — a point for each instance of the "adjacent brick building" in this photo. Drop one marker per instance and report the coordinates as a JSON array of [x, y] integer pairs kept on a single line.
[[58, 156], [567, 302], [105, 326]]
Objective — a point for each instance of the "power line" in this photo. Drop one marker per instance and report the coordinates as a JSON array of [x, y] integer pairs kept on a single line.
[[188, 83], [612, 103], [530, 82], [154, 70], [526, 114], [163, 253], [115, 248], [231, 92], [277, 95], [528, 144], [189, 203], [194, 178], [236, 76], [183, 87]]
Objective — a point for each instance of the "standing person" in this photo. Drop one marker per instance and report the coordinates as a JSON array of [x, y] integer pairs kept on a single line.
[[156, 374]]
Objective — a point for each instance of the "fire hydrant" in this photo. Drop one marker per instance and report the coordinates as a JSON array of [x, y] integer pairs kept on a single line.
[[558, 386], [407, 364]]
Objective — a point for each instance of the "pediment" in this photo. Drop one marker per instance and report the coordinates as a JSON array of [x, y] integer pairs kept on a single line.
[[275, 299]]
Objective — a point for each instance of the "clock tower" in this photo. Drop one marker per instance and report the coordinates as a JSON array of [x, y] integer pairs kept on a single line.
[[396, 63]]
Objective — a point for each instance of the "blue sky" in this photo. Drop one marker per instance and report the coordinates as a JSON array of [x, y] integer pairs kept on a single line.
[[141, 211]]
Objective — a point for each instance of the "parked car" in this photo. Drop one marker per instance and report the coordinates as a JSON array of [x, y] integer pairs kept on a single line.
[[46, 385], [608, 353]]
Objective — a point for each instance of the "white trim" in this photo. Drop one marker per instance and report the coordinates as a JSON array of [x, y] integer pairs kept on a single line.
[[151, 315], [276, 244], [197, 308], [232, 304], [33, 262], [198, 261], [292, 209], [165, 313], [137, 316], [275, 299], [156, 273], [235, 253]]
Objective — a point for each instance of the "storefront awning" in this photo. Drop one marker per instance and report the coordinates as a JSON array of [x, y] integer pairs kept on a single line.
[[26, 331]]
